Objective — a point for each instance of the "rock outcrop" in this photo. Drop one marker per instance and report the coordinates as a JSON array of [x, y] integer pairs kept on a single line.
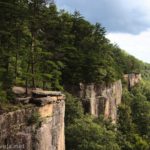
[[132, 79], [16, 132], [102, 99]]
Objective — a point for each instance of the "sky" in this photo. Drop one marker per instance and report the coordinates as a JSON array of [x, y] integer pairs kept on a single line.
[[127, 22]]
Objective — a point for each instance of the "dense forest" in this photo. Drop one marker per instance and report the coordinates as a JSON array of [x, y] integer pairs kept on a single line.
[[41, 46]]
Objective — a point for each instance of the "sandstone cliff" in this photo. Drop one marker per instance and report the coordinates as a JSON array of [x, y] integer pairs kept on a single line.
[[102, 99], [132, 79], [17, 133]]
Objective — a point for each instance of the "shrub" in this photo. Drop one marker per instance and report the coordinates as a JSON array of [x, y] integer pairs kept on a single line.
[[34, 119]]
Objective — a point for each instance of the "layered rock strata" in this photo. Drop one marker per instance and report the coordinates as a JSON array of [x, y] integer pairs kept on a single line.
[[16, 132], [132, 79], [101, 99]]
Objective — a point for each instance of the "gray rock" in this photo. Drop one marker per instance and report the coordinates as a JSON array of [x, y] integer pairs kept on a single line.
[[41, 93], [23, 100], [18, 90]]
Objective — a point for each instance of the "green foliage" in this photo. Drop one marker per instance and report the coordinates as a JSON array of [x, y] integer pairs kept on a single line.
[[43, 47], [139, 143], [127, 97], [3, 97], [134, 118], [141, 115], [84, 134], [126, 63], [132, 142], [34, 119], [50, 49], [74, 109], [125, 124], [145, 71]]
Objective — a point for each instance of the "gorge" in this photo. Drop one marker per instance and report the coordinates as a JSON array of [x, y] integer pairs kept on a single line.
[[49, 133], [65, 86]]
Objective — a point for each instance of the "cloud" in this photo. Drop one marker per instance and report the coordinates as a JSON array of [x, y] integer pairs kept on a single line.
[[127, 21], [137, 45], [131, 16]]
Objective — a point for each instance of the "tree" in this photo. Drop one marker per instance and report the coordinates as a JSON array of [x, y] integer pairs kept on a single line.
[[35, 13], [12, 19], [84, 134], [125, 124], [74, 109]]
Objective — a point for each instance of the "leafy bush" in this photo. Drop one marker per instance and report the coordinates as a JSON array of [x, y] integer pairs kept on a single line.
[[73, 110], [85, 134], [34, 119], [3, 97]]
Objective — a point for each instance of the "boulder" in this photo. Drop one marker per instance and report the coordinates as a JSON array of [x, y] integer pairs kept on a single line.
[[18, 90], [41, 93], [23, 100]]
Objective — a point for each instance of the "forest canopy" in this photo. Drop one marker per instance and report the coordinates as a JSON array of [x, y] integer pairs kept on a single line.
[[44, 47]]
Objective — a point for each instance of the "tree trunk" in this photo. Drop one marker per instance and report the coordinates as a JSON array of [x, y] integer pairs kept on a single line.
[[16, 66], [32, 60], [18, 46], [43, 85], [27, 79]]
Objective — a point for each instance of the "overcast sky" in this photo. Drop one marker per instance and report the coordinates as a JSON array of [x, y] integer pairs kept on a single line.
[[127, 21]]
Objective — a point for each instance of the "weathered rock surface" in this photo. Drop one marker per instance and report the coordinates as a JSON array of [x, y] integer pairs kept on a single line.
[[18, 90], [23, 100], [41, 93], [41, 101], [40, 97], [21, 91], [132, 79], [51, 134], [102, 99], [16, 132], [37, 96]]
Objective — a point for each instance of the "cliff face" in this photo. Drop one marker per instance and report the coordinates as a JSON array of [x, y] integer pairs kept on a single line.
[[17, 133], [50, 136], [132, 79], [102, 99], [98, 99]]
